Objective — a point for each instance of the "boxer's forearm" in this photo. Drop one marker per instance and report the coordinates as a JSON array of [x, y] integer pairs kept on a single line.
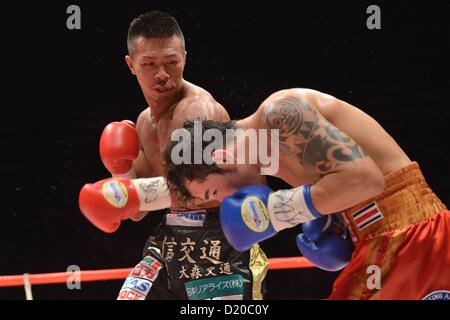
[[153, 193], [353, 183]]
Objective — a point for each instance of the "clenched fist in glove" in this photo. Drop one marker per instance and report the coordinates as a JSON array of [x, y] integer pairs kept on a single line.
[[119, 146], [325, 242], [256, 213], [107, 202]]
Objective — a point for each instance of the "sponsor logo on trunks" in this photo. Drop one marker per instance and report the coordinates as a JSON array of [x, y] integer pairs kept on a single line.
[[138, 285], [367, 216], [255, 215], [145, 273], [115, 193], [438, 295], [186, 219], [127, 294], [151, 263], [223, 288]]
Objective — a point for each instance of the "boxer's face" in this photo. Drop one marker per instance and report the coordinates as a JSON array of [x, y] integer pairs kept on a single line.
[[158, 65], [218, 186], [215, 186]]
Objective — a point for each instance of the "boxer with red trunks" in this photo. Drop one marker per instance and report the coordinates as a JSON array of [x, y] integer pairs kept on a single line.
[[337, 159]]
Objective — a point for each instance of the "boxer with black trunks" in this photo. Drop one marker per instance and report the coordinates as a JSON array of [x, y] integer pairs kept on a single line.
[[188, 250]]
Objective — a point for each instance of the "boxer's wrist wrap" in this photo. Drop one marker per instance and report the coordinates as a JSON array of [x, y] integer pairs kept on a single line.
[[153, 193], [288, 208], [308, 200]]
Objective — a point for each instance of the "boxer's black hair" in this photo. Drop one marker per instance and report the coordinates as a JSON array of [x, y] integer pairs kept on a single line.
[[153, 24], [178, 174]]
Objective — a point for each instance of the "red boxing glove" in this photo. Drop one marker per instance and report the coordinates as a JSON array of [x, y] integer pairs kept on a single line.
[[119, 146], [107, 202]]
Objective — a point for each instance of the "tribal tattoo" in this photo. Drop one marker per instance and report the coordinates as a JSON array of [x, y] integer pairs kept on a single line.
[[312, 140]]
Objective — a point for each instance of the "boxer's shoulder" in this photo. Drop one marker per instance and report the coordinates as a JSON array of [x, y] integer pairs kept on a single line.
[[143, 118], [192, 90], [198, 107], [302, 94], [195, 95]]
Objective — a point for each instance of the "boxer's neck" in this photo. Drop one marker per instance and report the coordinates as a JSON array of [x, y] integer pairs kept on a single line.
[[164, 105]]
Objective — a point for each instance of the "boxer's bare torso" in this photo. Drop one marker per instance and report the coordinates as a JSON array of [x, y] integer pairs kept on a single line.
[[324, 113], [154, 134]]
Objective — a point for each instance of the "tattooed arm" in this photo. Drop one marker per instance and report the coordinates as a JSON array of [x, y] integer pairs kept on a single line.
[[345, 174]]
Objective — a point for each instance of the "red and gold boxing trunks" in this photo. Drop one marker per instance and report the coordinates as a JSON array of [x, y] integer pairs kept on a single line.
[[402, 243]]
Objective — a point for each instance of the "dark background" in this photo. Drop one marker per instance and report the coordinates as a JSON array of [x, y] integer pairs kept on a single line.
[[61, 87]]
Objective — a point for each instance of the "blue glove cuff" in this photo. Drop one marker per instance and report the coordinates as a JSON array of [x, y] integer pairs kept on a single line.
[[308, 200]]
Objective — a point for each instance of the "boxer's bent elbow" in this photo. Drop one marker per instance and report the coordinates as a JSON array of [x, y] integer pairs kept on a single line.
[[348, 187], [368, 181]]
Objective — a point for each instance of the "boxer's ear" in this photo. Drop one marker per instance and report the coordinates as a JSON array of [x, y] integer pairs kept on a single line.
[[222, 157], [130, 65]]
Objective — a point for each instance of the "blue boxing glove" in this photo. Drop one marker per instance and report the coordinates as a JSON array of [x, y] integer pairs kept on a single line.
[[325, 243], [256, 213]]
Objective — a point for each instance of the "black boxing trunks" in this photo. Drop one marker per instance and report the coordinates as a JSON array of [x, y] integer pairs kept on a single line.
[[189, 258]]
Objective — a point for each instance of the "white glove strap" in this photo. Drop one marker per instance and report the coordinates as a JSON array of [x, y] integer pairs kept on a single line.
[[153, 193], [287, 208]]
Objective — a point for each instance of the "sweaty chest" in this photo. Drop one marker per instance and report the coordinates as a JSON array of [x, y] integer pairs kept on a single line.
[[154, 138]]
